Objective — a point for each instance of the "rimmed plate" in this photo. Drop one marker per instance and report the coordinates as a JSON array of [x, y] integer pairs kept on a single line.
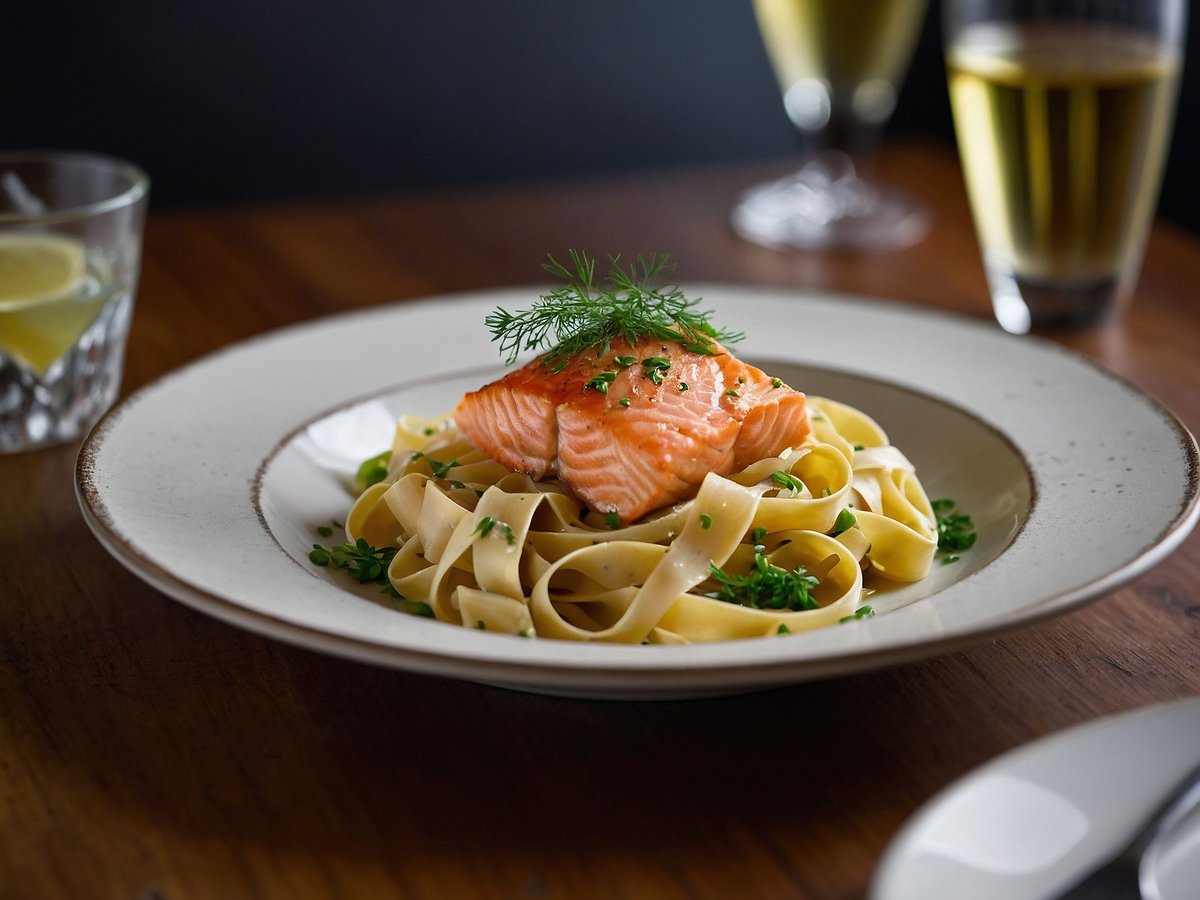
[[209, 484]]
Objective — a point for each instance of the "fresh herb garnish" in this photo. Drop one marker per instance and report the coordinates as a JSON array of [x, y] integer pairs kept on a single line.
[[624, 401], [440, 469], [683, 386], [862, 612], [601, 382], [367, 564], [630, 303], [787, 481], [612, 520], [758, 535], [767, 586], [655, 367], [731, 393], [705, 521], [955, 530], [845, 520], [373, 470], [776, 382], [486, 525], [624, 361]]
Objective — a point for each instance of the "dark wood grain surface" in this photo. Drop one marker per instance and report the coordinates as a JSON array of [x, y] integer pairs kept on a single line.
[[147, 751]]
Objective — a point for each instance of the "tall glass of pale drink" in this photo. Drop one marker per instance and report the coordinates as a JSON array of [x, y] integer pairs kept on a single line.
[[1063, 113]]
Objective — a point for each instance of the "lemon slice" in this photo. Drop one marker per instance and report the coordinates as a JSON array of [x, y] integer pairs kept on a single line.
[[35, 268]]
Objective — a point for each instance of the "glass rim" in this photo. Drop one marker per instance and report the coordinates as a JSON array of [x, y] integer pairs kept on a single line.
[[138, 188]]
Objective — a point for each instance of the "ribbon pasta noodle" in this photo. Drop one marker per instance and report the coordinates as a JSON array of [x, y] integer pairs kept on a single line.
[[483, 547]]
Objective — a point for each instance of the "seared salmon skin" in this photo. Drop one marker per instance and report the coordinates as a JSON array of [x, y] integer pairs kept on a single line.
[[636, 427]]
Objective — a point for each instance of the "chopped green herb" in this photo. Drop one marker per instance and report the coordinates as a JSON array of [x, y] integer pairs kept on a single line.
[[776, 382], [758, 535], [324, 530], [485, 526], [428, 431], [783, 629], [479, 623], [950, 558], [440, 469], [858, 447], [766, 586], [367, 564], [845, 521], [683, 386], [731, 393], [862, 612], [741, 379], [705, 521], [955, 530], [630, 303], [654, 367], [373, 470], [787, 481], [624, 401], [419, 608], [624, 361], [601, 382]]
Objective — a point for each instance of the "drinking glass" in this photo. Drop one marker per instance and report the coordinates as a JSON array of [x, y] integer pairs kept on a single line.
[[839, 64], [1063, 112], [70, 248]]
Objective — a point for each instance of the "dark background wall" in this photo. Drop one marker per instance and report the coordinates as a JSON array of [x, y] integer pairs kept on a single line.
[[240, 100]]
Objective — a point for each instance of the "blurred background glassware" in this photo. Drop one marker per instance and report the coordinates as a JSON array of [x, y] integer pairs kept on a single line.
[[70, 251], [1063, 111], [839, 64]]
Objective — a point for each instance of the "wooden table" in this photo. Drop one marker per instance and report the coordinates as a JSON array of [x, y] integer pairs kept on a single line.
[[147, 751]]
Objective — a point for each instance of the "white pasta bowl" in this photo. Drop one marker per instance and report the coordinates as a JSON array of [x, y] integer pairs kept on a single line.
[[211, 482]]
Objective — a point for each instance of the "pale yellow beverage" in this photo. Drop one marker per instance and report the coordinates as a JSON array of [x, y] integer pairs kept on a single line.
[[1062, 130], [70, 249], [857, 50], [50, 292]]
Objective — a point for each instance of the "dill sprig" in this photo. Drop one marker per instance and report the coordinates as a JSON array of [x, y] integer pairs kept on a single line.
[[587, 312]]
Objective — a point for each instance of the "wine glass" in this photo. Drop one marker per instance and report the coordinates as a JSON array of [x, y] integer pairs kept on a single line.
[[839, 64], [1063, 111]]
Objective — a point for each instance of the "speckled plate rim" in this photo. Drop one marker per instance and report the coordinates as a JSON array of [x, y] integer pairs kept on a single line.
[[1032, 391]]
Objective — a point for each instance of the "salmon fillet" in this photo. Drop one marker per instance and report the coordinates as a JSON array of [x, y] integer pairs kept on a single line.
[[633, 437]]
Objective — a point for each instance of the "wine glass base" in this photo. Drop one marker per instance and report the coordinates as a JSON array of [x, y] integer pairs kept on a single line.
[[827, 206]]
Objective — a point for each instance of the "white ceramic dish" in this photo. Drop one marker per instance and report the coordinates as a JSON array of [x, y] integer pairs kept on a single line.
[[1026, 825], [210, 482]]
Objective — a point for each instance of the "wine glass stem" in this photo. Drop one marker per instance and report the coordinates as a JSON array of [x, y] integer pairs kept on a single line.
[[848, 134]]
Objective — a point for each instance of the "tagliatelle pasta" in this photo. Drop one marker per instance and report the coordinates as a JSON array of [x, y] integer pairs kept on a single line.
[[483, 547]]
